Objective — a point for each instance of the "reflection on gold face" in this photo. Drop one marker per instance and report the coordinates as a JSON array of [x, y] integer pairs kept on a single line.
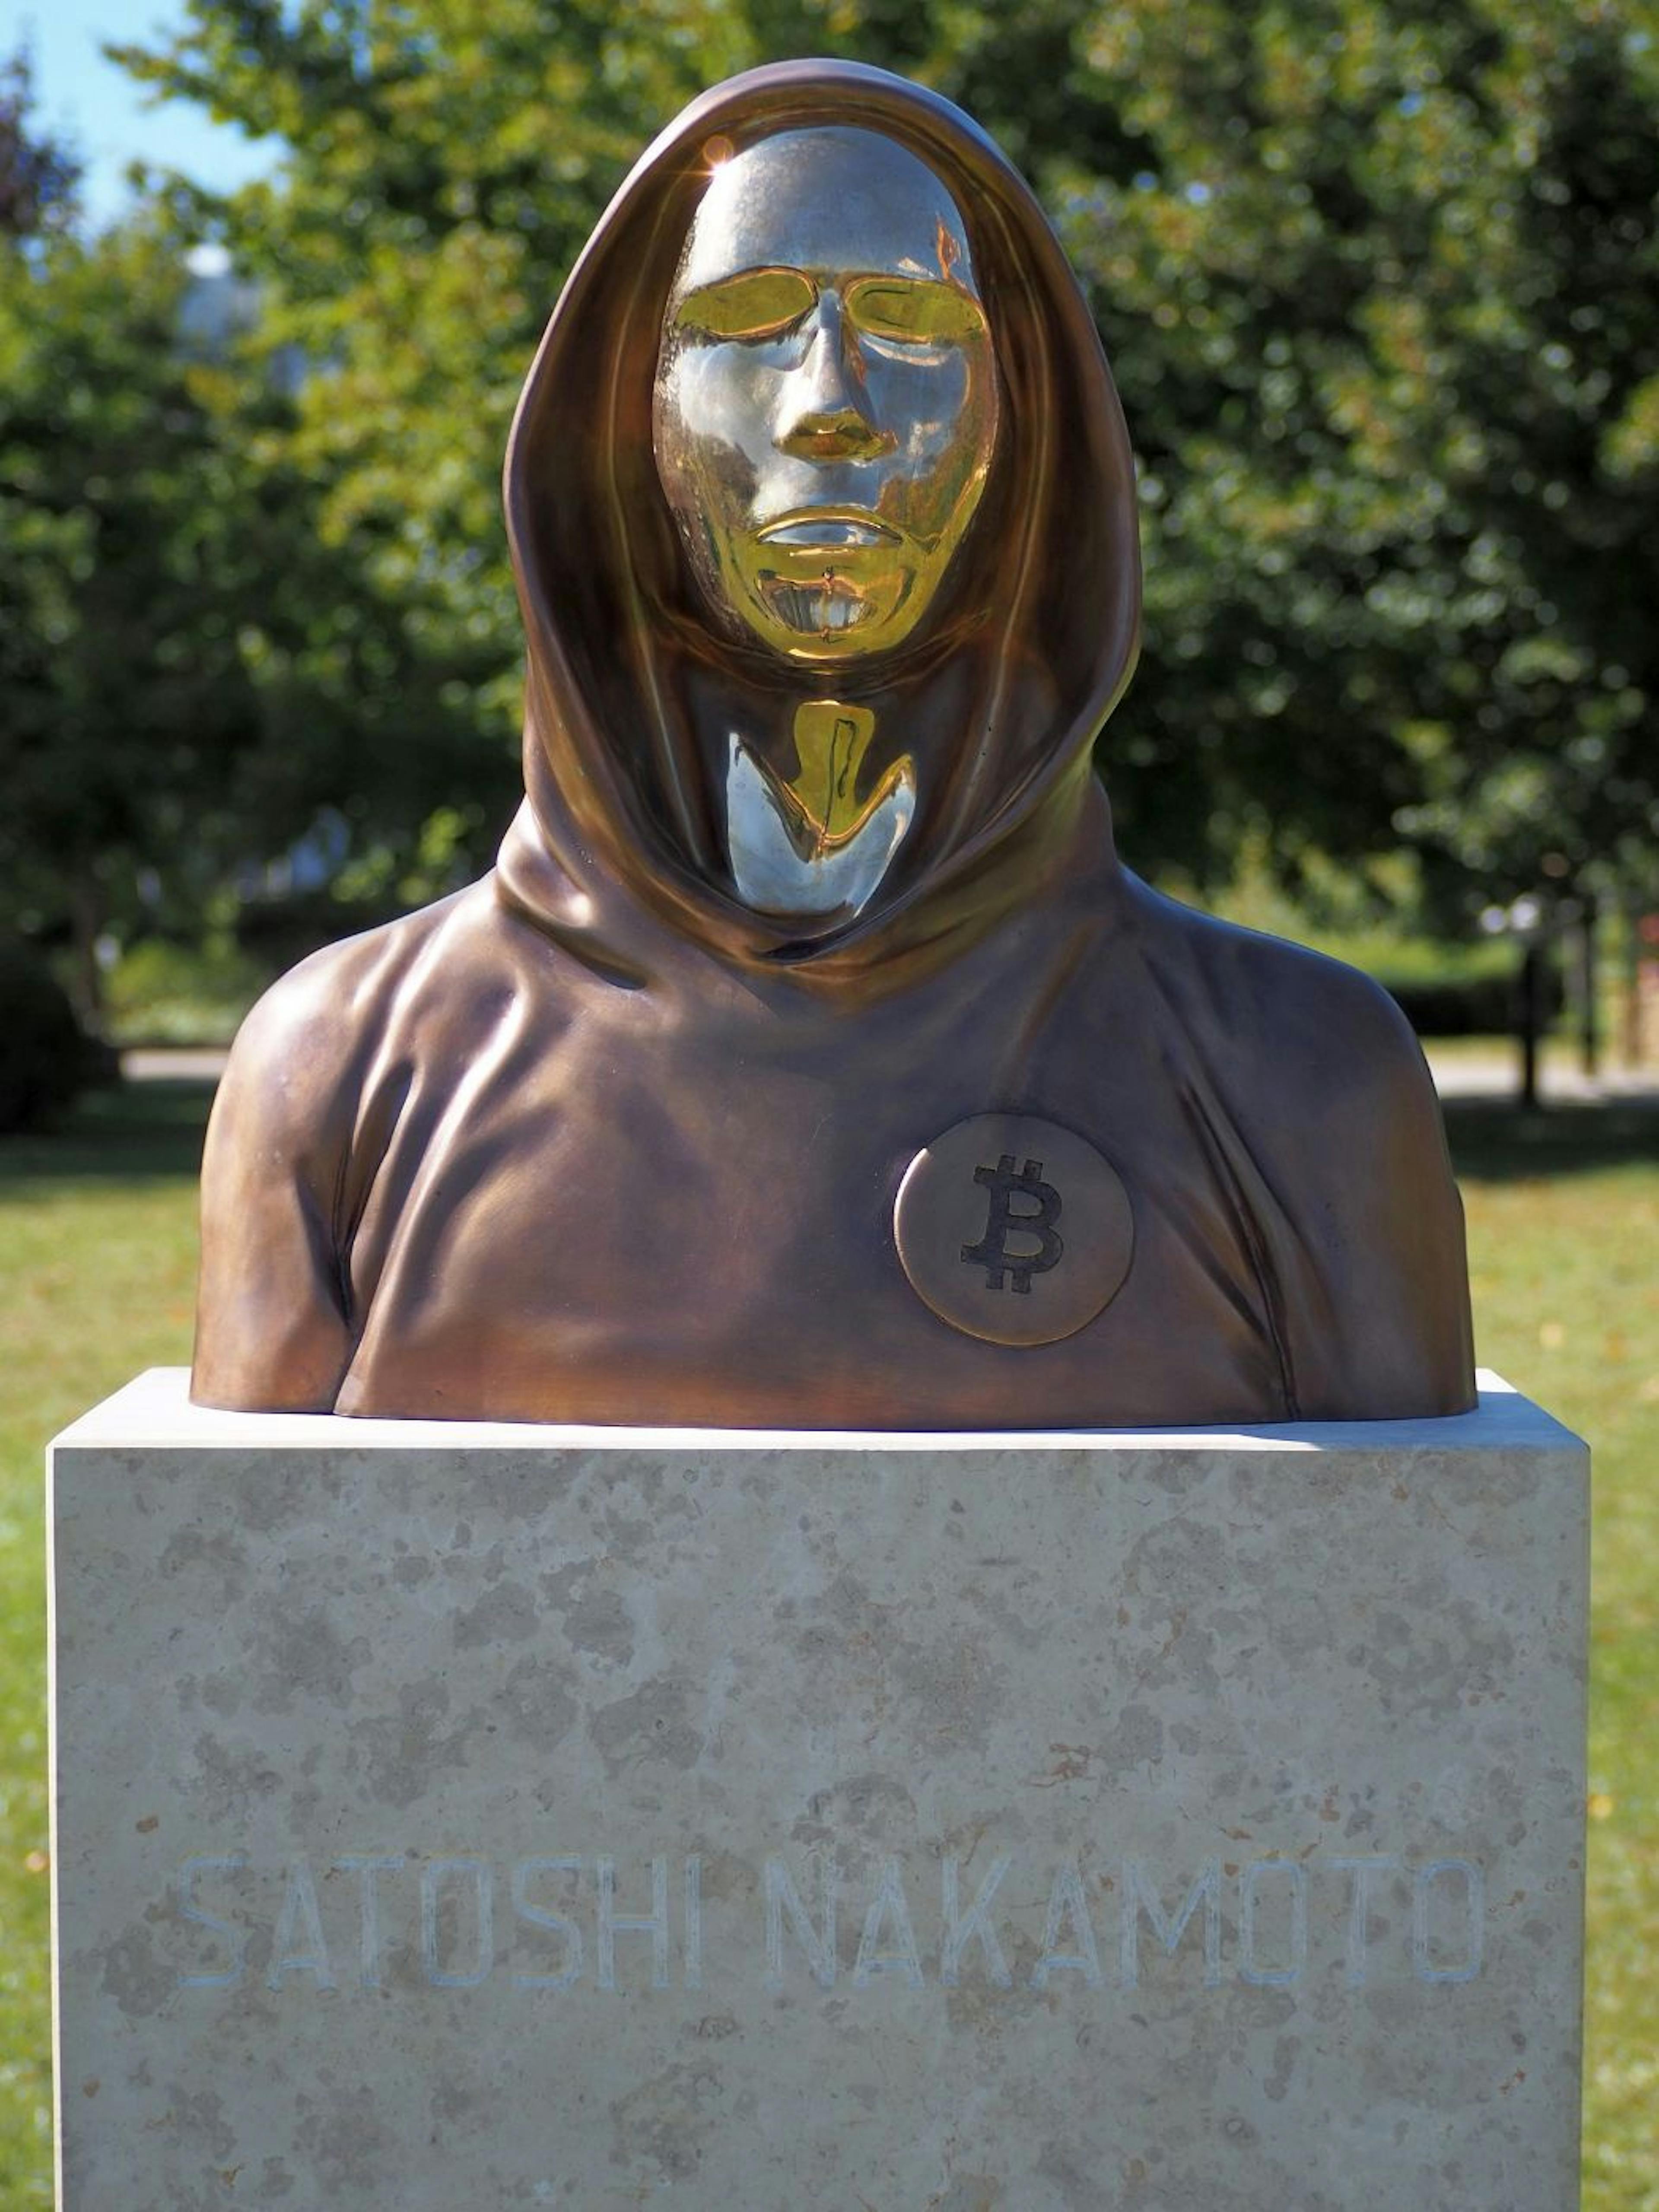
[[826, 397]]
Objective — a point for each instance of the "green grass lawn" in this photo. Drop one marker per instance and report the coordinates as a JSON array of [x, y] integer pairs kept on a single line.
[[97, 1262], [97, 1255], [1563, 1253]]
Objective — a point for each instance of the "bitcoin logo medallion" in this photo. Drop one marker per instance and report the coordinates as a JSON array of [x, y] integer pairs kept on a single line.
[[1013, 1229]]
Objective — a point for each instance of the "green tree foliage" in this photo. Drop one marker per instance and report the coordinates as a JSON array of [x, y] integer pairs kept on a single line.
[[40, 175], [1382, 296], [193, 660], [1376, 278], [125, 710], [123, 706]]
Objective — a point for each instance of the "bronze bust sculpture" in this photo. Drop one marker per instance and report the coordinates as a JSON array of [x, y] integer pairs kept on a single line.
[[809, 1058]]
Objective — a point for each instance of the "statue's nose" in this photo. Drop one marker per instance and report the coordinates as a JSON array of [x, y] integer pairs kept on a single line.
[[824, 410]]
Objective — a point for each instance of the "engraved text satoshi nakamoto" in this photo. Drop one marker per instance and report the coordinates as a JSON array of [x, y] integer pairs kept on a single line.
[[629, 1921]]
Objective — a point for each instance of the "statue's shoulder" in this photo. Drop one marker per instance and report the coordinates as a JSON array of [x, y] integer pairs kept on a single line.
[[318, 1029], [1320, 1107], [338, 992], [1304, 1024]]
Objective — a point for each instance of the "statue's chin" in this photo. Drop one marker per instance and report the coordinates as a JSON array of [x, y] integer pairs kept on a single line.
[[820, 604]]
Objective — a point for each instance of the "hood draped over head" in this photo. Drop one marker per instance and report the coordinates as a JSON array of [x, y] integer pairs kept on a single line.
[[633, 686]]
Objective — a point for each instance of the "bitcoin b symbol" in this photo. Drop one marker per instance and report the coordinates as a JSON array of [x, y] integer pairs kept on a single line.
[[949, 1189], [992, 1252]]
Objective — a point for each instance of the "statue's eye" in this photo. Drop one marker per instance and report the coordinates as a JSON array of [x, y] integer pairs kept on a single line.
[[757, 303], [913, 310]]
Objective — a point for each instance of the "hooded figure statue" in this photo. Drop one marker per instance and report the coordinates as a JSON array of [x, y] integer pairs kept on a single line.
[[809, 1059]]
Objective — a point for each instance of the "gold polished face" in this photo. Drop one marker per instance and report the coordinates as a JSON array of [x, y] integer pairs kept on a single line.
[[825, 407]]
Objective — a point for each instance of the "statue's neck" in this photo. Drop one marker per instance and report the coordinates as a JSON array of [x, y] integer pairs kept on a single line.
[[816, 840]]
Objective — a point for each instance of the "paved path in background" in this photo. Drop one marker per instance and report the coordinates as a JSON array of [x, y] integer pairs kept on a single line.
[[174, 1064], [1494, 1075]]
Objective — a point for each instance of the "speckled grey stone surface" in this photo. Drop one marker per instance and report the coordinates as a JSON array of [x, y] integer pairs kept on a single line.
[[452, 1816]]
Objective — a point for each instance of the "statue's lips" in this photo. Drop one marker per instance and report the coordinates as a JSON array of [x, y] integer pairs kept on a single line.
[[821, 530]]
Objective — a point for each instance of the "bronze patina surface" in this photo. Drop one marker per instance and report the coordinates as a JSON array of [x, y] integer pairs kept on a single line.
[[809, 1058]]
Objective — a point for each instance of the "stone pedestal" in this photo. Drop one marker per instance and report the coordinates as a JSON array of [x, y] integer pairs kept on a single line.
[[455, 1815]]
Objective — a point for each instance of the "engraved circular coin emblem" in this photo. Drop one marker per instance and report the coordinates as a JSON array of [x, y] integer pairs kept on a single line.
[[1013, 1229]]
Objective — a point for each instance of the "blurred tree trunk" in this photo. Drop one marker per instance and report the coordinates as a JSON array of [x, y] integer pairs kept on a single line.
[[1589, 1011], [86, 916]]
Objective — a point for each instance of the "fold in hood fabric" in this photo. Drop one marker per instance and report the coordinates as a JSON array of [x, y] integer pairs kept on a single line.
[[593, 1140]]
